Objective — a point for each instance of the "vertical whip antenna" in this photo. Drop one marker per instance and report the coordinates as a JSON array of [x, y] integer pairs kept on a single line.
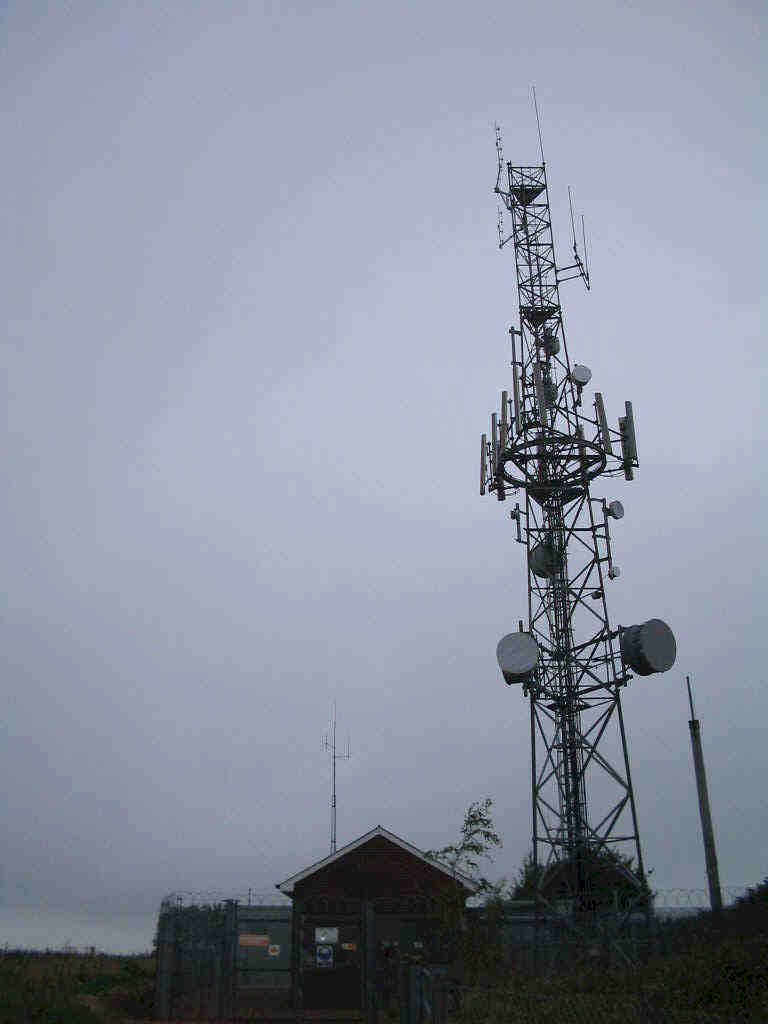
[[581, 266], [329, 744], [573, 226], [538, 124], [586, 254]]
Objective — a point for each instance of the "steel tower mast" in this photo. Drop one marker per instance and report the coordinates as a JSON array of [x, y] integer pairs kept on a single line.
[[550, 443]]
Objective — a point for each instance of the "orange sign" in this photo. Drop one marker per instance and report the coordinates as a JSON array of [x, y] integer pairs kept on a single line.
[[253, 940]]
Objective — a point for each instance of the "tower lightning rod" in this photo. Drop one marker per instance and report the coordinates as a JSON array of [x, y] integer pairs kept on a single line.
[[538, 124], [329, 744], [707, 832]]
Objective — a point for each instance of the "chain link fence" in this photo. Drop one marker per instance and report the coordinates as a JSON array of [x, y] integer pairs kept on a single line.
[[686, 969], [219, 958], [224, 957]]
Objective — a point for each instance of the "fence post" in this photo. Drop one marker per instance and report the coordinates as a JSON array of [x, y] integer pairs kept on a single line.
[[227, 994], [216, 991], [369, 933], [297, 960], [164, 969], [414, 995], [440, 1001]]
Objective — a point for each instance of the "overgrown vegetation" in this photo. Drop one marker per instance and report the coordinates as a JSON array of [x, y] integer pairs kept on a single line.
[[755, 894], [70, 988], [609, 880], [712, 967], [708, 968]]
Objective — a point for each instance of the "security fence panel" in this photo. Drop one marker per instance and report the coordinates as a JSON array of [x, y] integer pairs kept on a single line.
[[263, 961]]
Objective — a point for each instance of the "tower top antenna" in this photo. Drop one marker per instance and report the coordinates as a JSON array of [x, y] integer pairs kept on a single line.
[[538, 124], [690, 695]]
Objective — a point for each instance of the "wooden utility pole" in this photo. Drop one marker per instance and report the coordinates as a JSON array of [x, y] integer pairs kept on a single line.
[[710, 854]]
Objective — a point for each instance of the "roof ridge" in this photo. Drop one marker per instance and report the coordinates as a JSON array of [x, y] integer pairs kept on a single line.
[[289, 883]]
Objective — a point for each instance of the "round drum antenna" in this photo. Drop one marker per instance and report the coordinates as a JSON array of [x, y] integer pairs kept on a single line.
[[649, 647]]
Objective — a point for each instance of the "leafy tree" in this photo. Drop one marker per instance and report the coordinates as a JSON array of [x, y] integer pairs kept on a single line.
[[478, 838], [475, 936], [755, 893]]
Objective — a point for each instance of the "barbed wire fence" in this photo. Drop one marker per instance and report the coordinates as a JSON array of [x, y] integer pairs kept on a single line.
[[697, 898], [201, 948], [244, 897]]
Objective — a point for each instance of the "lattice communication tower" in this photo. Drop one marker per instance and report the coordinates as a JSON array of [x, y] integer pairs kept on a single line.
[[549, 442]]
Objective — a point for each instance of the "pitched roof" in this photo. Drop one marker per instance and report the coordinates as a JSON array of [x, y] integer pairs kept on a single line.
[[287, 886]]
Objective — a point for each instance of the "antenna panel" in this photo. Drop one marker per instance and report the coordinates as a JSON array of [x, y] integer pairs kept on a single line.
[[602, 423], [628, 442], [629, 428], [541, 401], [516, 398]]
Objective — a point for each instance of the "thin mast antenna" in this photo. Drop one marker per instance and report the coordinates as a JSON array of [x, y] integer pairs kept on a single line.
[[586, 255], [329, 744], [538, 124], [573, 227], [690, 695], [582, 267]]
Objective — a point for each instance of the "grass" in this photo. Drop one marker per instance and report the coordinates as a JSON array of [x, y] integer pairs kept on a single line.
[[70, 988]]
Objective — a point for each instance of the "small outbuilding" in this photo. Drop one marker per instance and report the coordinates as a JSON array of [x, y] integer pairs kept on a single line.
[[357, 913]]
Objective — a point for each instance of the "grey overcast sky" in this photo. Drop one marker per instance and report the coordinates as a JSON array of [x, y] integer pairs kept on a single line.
[[254, 321]]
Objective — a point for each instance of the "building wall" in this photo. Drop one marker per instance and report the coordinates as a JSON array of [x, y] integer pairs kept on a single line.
[[385, 904]]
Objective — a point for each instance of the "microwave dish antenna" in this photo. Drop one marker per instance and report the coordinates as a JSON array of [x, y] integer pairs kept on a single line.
[[649, 647], [518, 655], [581, 375]]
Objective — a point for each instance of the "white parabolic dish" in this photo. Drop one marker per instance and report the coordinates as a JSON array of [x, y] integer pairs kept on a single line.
[[518, 655], [581, 375]]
